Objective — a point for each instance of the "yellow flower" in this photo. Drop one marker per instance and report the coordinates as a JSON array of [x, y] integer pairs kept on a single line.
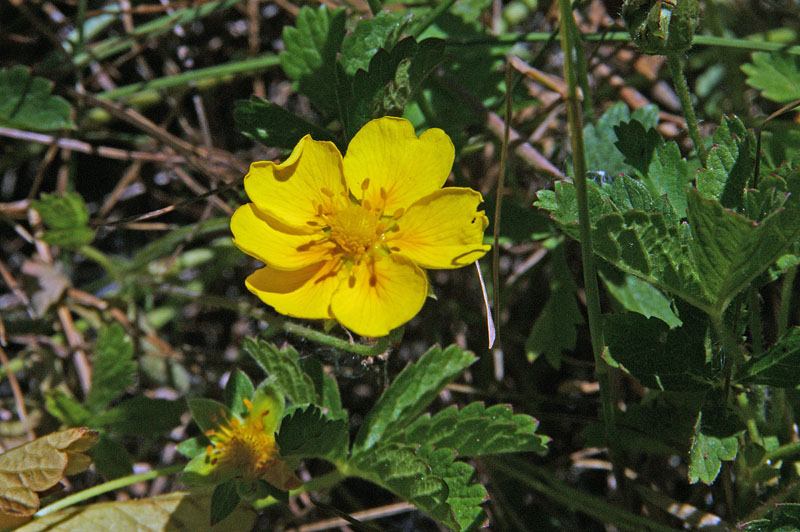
[[348, 238]]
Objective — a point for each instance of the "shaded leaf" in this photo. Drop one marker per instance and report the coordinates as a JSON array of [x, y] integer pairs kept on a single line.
[[174, 512], [272, 125], [669, 175], [110, 458], [224, 501], [410, 392], [555, 329], [776, 75], [65, 408], [283, 367], [783, 518], [141, 416], [706, 455], [114, 367], [637, 144], [327, 389], [730, 164], [477, 430], [238, 389], [779, 366], [39, 465], [636, 295], [26, 102], [311, 47], [599, 138], [309, 433]]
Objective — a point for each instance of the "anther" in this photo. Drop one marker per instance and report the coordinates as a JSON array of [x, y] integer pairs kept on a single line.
[[365, 184], [328, 192], [247, 402]]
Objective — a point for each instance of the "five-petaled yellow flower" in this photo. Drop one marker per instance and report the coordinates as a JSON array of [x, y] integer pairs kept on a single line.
[[348, 238]]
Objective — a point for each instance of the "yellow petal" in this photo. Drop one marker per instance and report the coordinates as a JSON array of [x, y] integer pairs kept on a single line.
[[303, 293], [442, 230], [275, 245], [297, 191], [380, 295], [395, 166]]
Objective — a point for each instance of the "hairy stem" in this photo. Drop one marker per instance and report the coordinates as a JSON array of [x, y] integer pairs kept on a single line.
[[682, 88]]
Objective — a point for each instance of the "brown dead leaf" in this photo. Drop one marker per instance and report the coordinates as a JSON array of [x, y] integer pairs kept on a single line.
[[52, 285], [37, 466]]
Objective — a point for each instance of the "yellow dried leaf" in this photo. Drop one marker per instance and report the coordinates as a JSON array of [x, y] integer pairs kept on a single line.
[[39, 465], [179, 511]]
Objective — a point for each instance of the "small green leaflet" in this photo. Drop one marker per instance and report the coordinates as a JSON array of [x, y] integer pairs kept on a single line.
[[707, 453], [66, 218], [26, 102], [776, 75]]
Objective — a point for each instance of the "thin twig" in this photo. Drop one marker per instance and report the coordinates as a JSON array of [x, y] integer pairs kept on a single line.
[[19, 399]]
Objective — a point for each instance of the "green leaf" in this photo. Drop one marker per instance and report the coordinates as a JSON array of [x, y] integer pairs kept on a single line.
[[464, 496], [238, 388], [310, 53], [783, 518], [224, 501], [369, 36], [26, 102], [600, 138], [730, 250], [776, 75], [327, 388], [66, 409], [399, 469], [308, 433], [659, 357], [476, 430], [779, 366], [114, 368], [730, 164], [413, 389], [282, 366], [66, 217], [707, 453], [636, 295], [669, 175], [110, 458], [637, 144], [141, 416], [555, 329], [392, 80], [193, 446], [272, 125]]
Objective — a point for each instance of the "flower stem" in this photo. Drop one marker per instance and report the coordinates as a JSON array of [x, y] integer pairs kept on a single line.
[[682, 88], [102, 259], [111, 485], [574, 117], [435, 13], [786, 300]]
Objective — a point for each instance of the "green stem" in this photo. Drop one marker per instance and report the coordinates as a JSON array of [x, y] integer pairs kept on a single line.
[[435, 13], [786, 301], [582, 72], [756, 329], [682, 88], [111, 485], [749, 417], [585, 227], [102, 259], [784, 451], [545, 484]]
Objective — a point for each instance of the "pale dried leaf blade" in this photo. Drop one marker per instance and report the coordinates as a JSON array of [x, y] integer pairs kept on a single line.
[[489, 321], [39, 465], [178, 511]]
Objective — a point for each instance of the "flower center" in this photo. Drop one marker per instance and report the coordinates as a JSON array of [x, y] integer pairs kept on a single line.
[[244, 447], [355, 229]]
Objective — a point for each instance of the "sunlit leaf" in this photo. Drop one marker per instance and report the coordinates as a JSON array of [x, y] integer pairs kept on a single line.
[[309, 433], [114, 367], [66, 217], [706, 456], [776, 75], [369, 36], [26, 102], [274, 126], [282, 366]]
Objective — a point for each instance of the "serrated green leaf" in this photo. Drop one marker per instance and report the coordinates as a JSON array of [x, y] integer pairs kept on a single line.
[[369, 36], [26, 102], [776, 75], [779, 366], [408, 395], [707, 453], [555, 329], [110, 458], [637, 144], [399, 469], [274, 126], [282, 367], [309, 58], [601, 153], [476, 430], [464, 496], [730, 164], [669, 176], [66, 217], [114, 367], [730, 250], [783, 518], [224, 501], [141, 416], [308, 433], [66, 409], [327, 389], [636, 295], [238, 389], [393, 79], [659, 357]]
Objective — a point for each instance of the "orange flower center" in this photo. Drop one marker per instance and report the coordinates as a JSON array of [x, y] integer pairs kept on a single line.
[[244, 447], [355, 229]]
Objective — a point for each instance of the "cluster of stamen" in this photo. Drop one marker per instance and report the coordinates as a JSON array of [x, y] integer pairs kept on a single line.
[[242, 446]]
